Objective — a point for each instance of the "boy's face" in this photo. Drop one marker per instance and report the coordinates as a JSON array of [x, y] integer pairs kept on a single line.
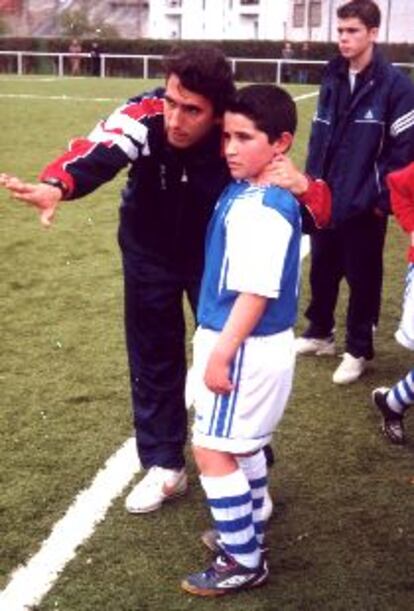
[[247, 149], [188, 116], [356, 40]]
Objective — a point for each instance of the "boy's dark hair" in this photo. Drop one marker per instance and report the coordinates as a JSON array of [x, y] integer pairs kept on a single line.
[[203, 69], [366, 11], [270, 107]]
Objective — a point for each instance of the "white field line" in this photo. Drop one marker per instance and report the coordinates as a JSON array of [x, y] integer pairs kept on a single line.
[[60, 98], [67, 98], [30, 582]]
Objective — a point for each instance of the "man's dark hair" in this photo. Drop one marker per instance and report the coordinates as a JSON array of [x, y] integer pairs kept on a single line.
[[366, 11], [270, 107], [203, 69]]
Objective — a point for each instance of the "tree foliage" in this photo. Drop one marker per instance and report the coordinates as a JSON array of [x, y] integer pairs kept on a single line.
[[77, 24]]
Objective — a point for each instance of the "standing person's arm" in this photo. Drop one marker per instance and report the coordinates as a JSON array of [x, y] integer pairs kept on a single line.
[[312, 194], [398, 150], [89, 162], [245, 314]]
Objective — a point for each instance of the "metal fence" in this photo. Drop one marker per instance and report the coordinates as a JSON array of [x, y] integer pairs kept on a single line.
[[150, 66]]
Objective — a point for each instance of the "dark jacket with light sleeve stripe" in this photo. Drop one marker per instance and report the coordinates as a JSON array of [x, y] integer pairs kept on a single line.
[[169, 193], [355, 144]]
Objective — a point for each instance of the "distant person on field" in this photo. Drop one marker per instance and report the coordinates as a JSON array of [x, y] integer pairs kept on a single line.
[[287, 53], [96, 59], [393, 402], [75, 60], [363, 129], [244, 345], [303, 70]]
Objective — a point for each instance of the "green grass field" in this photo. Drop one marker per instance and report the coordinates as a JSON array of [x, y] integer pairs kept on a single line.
[[343, 534]]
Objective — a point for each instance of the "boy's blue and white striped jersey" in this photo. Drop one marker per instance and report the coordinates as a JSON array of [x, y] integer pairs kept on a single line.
[[252, 246]]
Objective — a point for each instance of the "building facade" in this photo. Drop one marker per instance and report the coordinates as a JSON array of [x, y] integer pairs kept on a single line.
[[316, 20], [218, 19], [294, 20]]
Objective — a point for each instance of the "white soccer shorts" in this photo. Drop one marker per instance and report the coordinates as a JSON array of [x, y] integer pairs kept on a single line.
[[244, 420], [405, 332]]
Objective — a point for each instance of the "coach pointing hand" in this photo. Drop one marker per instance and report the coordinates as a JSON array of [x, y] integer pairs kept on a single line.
[[44, 197]]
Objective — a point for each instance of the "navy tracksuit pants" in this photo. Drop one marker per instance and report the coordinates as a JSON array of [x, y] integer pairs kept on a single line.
[[352, 251], [155, 338]]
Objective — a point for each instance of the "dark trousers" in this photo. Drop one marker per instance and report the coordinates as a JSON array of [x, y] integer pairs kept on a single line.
[[352, 251], [155, 338]]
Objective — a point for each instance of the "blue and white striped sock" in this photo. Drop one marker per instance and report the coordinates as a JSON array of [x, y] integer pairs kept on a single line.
[[255, 469], [401, 396], [230, 501]]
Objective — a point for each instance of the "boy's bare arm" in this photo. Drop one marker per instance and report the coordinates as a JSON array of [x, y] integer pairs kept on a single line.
[[245, 314]]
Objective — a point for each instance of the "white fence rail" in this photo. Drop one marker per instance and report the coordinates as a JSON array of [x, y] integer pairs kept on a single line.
[[26, 62]]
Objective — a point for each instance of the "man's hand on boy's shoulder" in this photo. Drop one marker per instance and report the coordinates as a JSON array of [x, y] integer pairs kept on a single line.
[[283, 173]]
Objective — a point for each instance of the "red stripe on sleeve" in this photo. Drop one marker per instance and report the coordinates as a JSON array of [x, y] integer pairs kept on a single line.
[[57, 168]]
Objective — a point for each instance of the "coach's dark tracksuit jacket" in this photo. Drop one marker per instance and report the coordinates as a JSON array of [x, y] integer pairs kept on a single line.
[[166, 204], [356, 139]]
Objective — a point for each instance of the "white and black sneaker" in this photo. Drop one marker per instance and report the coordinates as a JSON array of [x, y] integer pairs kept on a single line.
[[225, 576], [392, 423]]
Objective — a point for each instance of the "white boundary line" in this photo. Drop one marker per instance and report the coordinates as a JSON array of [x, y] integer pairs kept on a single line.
[[63, 97], [31, 582], [67, 98]]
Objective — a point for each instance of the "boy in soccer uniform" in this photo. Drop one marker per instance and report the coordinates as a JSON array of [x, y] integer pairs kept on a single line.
[[244, 345], [393, 402]]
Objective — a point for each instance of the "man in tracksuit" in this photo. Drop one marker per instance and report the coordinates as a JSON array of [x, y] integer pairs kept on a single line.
[[363, 128], [171, 140]]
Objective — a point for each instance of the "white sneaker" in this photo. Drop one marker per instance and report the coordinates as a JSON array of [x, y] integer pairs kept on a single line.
[[350, 369], [267, 507], [158, 485], [313, 345]]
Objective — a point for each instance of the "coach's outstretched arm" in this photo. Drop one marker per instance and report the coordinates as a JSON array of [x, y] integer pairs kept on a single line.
[[42, 196]]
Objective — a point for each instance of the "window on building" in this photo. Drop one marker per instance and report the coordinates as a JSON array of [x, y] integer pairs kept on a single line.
[[249, 2], [299, 13], [315, 14], [173, 3]]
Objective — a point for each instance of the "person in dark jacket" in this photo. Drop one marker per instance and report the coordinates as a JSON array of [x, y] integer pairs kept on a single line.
[[363, 129], [171, 140]]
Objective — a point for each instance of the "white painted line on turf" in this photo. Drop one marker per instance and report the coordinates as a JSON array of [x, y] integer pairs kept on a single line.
[[63, 97], [305, 96], [68, 98], [31, 582]]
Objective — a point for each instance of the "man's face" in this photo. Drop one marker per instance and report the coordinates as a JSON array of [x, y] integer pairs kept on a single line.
[[356, 40], [188, 116], [247, 149]]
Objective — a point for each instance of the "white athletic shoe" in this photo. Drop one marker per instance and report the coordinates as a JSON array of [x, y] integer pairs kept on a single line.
[[313, 345], [350, 369], [267, 508], [156, 487]]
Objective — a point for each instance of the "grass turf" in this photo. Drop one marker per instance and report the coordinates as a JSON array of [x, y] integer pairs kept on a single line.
[[342, 537]]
